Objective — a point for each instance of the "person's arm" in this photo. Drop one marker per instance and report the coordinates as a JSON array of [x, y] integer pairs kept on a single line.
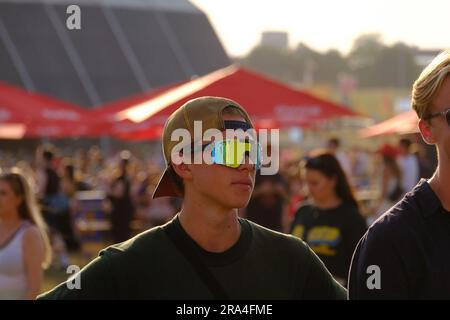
[[33, 256], [377, 270]]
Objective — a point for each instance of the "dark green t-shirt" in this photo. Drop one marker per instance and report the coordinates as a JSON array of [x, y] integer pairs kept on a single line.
[[263, 264]]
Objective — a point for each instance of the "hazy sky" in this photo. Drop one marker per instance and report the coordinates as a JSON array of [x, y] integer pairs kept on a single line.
[[324, 24]]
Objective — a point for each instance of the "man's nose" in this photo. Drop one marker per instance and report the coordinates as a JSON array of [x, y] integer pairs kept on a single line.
[[247, 164]]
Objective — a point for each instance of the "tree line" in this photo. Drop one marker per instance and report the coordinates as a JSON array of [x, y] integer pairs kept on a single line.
[[370, 63]]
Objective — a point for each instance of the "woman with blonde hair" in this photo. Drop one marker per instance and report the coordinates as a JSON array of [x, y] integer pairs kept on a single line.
[[24, 246]]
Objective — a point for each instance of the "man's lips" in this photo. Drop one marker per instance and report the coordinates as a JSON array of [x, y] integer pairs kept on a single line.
[[243, 182]]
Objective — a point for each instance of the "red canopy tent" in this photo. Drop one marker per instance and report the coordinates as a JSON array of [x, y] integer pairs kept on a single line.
[[38, 115], [402, 123], [106, 115], [271, 104]]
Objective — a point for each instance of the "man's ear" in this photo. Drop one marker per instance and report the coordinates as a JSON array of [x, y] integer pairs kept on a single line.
[[183, 170], [426, 132]]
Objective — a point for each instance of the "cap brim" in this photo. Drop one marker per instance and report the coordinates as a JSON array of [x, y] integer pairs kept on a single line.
[[165, 187]]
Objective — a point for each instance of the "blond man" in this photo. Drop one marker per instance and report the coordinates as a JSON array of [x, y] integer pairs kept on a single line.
[[404, 255]]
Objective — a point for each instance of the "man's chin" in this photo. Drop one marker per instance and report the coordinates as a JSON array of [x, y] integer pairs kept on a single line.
[[236, 202], [242, 204]]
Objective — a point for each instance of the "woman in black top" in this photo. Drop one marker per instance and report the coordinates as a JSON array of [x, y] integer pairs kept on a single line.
[[330, 223]]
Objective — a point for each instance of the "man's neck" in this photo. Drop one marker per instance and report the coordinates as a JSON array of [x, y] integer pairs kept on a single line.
[[439, 184], [214, 228]]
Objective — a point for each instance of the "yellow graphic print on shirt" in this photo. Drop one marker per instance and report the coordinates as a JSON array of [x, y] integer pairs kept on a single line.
[[298, 231], [323, 240]]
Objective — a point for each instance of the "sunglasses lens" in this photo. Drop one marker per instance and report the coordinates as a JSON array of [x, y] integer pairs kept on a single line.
[[231, 153]]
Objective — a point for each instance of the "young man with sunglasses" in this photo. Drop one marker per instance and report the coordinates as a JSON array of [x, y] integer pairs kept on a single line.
[[404, 255], [207, 251]]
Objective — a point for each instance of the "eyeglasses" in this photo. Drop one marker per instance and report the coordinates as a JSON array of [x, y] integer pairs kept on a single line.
[[445, 114], [232, 152]]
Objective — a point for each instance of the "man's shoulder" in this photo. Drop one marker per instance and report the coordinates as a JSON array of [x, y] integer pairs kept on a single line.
[[402, 220], [273, 240], [147, 242], [394, 245], [118, 269], [401, 214]]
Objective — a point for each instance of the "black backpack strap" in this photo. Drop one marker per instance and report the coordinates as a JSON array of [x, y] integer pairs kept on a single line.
[[202, 271]]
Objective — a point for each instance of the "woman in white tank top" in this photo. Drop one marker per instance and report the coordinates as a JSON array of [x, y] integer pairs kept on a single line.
[[24, 245]]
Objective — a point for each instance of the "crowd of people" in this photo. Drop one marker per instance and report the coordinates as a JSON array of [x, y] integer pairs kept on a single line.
[[219, 221], [312, 197]]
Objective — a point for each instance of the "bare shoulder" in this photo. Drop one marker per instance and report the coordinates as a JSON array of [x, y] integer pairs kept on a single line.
[[32, 236]]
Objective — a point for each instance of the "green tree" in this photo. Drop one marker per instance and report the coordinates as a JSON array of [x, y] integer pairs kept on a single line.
[[370, 61], [362, 57], [330, 65], [275, 62], [395, 66], [377, 65], [308, 61]]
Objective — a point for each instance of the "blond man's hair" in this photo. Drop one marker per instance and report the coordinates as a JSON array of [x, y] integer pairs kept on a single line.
[[428, 84]]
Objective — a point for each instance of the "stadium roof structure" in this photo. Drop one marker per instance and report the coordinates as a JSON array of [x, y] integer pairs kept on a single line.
[[124, 47]]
